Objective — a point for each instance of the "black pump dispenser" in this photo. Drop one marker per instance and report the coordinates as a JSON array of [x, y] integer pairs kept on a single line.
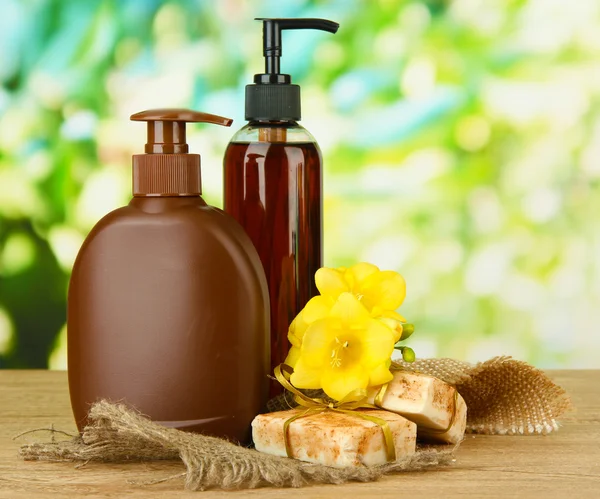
[[273, 97]]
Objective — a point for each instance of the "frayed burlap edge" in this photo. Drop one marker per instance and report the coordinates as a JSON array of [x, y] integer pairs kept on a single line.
[[119, 434]]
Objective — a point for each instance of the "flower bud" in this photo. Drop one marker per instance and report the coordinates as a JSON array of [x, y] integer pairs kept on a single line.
[[407, 331], [408, 354]]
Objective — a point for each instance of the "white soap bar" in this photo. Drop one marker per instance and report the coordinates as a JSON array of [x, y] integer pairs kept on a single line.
[[332, 438], [429, 402]]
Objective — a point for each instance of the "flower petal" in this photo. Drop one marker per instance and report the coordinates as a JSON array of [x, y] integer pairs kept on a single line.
[[386, 290], [394, 326], [355, 395], [380, 375], [305, 376], [292, 356], [349, 310], [361, 271], [298, 327], [377, 344], [330, 282], [294, 340], [318, 342], [317, 308], [393, 315], [337, 383]]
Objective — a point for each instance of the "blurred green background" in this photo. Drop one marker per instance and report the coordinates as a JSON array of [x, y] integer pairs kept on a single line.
[[461, 143]]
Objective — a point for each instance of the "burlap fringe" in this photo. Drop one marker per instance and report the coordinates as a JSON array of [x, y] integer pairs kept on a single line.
[[119, 434], [503, 396]]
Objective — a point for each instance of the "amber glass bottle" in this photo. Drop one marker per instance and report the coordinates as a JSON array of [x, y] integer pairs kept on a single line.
[[273, 187]]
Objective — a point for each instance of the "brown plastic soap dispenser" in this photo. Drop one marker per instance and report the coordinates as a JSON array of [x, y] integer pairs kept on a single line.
[[168, 306]]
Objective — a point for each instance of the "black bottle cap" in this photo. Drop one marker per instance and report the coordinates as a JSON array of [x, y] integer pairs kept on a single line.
[[272, 96]]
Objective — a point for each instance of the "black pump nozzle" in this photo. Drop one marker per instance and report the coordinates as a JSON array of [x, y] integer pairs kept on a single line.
[[273, 97], [272, 29]]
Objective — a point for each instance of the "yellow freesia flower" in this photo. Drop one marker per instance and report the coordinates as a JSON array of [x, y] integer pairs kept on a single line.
[[317, 308], [343, 352], [381, 292], [377, 290]]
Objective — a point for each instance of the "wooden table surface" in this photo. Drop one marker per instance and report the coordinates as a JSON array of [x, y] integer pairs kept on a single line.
[[565, 464]]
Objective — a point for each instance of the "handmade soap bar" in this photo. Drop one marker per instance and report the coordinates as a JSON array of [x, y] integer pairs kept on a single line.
[[429, 402], [333, 438]]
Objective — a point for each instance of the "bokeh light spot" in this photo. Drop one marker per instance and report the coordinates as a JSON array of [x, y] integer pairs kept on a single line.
[[6, 332], [18, 254]]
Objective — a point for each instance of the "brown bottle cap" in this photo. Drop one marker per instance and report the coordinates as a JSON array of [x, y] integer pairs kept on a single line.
[[167, 169]]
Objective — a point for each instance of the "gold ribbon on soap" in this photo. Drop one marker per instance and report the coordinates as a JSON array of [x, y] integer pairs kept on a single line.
[[381, 393], [319, 405]]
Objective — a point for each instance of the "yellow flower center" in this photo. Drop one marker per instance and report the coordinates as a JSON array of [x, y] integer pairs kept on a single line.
[[338, 351]]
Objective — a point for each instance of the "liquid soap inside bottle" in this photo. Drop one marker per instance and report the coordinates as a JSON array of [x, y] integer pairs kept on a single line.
[[273, 188]]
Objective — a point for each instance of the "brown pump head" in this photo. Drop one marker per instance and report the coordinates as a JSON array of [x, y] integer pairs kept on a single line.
[[167, 169]]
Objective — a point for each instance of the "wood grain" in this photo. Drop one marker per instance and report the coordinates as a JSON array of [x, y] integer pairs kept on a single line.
[[565, 464]]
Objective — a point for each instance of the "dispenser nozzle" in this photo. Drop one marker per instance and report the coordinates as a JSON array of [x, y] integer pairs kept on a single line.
[[167, 169], [272, 28], [166, 128], [272, 97]]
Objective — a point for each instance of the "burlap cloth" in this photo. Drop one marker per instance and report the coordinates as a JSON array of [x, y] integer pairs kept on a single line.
[[503, 396]]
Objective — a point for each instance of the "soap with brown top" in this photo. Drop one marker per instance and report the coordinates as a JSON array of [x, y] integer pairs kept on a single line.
[[334, 438], [429, 402]]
